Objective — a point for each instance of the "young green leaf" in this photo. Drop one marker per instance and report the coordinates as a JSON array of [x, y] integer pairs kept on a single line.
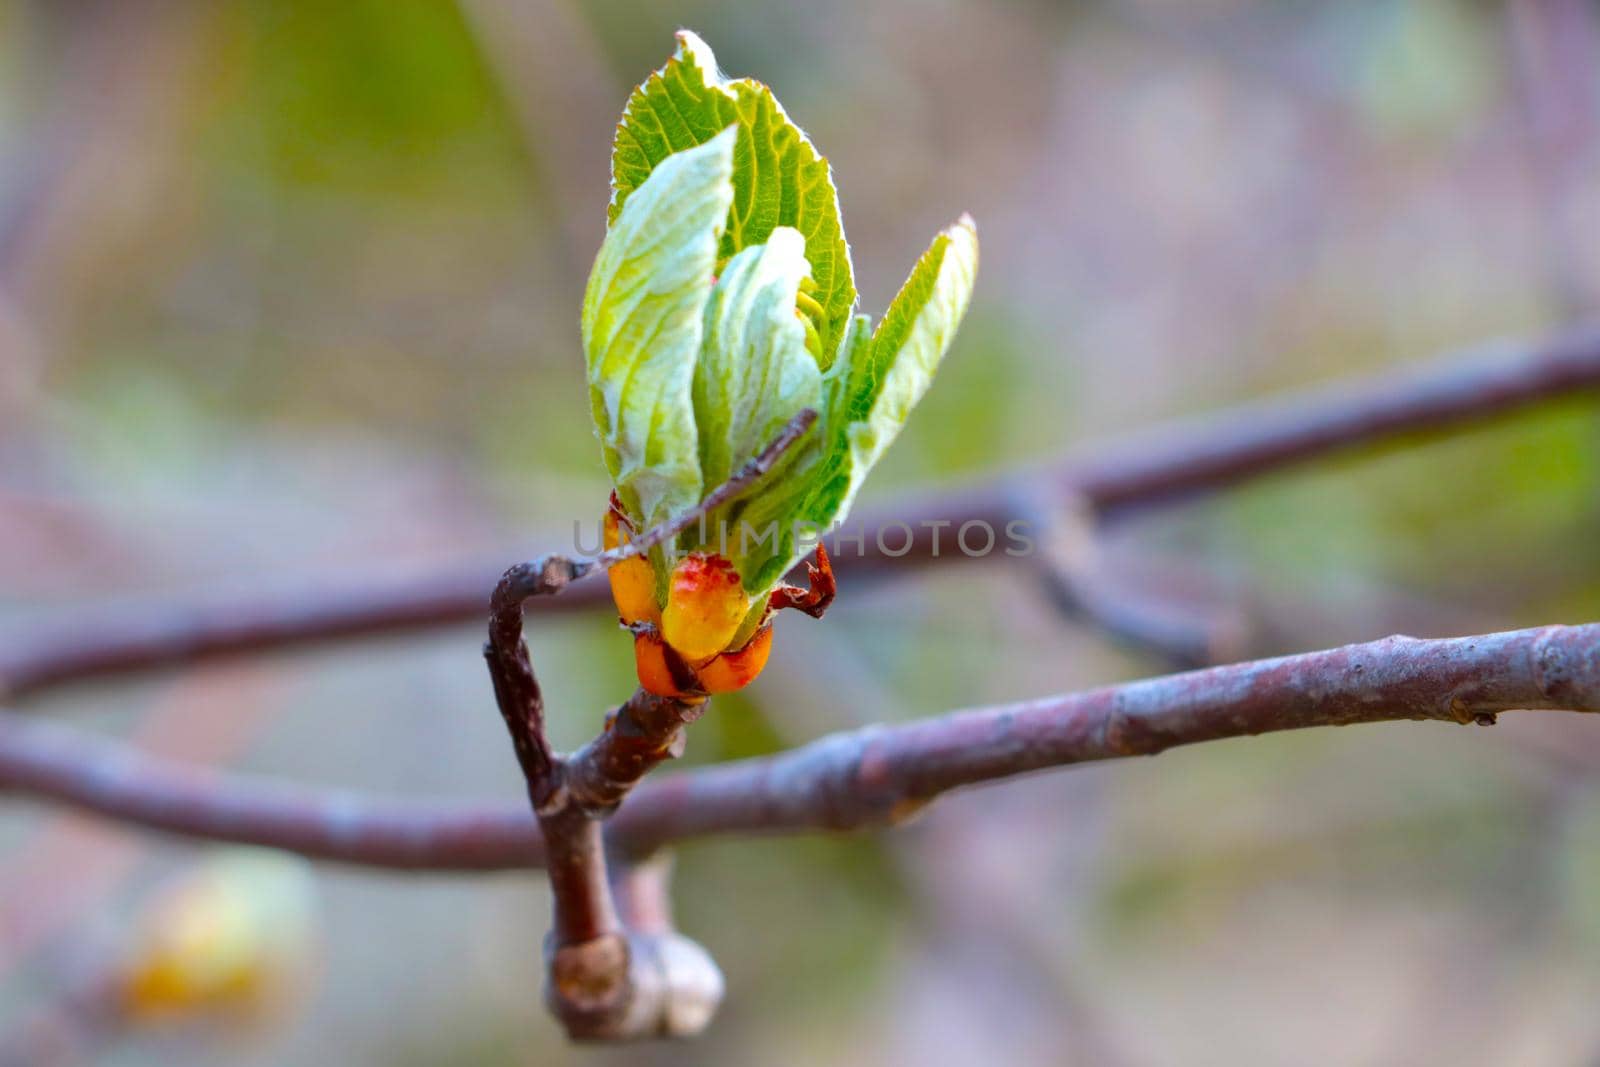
[[643, 327], [872, 390], [755, 373], [779, 178], [721, 305]]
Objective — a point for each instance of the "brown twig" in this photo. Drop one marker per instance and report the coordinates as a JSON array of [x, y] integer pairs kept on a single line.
[[605, 981], [1073, 576], [845, 781], [678, 986], [1148, 469], [587, 953]]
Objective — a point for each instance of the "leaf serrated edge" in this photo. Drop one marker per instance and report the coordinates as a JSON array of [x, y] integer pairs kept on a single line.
[[694, 52]]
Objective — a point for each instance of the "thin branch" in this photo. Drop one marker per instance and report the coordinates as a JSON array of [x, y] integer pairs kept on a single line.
[[516, 689], [1152, 468], [1174, 634], [1251, 439], [677, 985], [639, 736], [586, 954], [867, 777], [605, 981], [1075, 579], [550, 575], [881, 774]]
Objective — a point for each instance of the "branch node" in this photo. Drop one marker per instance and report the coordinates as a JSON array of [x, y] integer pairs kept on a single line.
[[1552, 669], [555, 797], [589, 988]]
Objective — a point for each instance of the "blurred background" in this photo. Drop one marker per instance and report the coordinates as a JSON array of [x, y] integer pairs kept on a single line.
[[290, 290]]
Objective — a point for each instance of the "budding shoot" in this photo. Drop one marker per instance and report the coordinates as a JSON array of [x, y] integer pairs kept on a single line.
[[633, 584], [738, 668], [661, 670], [706, 603]]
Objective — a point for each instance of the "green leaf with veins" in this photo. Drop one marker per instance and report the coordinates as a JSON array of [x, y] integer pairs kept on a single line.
[[642, 327], [779, 178], [779, 503], [755, 374], [871, 392], [721, 305]]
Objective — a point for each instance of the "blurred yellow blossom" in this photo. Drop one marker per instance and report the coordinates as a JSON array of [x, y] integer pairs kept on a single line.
[[234, 934]]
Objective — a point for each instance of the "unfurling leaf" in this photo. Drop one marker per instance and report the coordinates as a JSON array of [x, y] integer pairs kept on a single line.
[[779, 177], [872, 392], [755, 372], [721, 305], [642, 315]]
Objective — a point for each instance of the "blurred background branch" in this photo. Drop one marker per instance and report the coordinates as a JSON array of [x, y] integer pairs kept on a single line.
[[1105, 482], [876, 776]]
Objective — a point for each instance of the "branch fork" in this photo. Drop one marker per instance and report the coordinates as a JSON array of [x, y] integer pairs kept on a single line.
[[605, 980], [611, 979]]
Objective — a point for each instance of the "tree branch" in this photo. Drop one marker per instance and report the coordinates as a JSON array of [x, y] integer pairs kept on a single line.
[[1488, 380], [605, 981], [586, 954], [845, 781], [1074, 578], [677, 985], [1152, 468]]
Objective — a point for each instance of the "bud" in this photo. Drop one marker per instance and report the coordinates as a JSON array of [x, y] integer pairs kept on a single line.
[[633, 582], [737, 669], [708, 328], [653, 668], [706, 603]]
